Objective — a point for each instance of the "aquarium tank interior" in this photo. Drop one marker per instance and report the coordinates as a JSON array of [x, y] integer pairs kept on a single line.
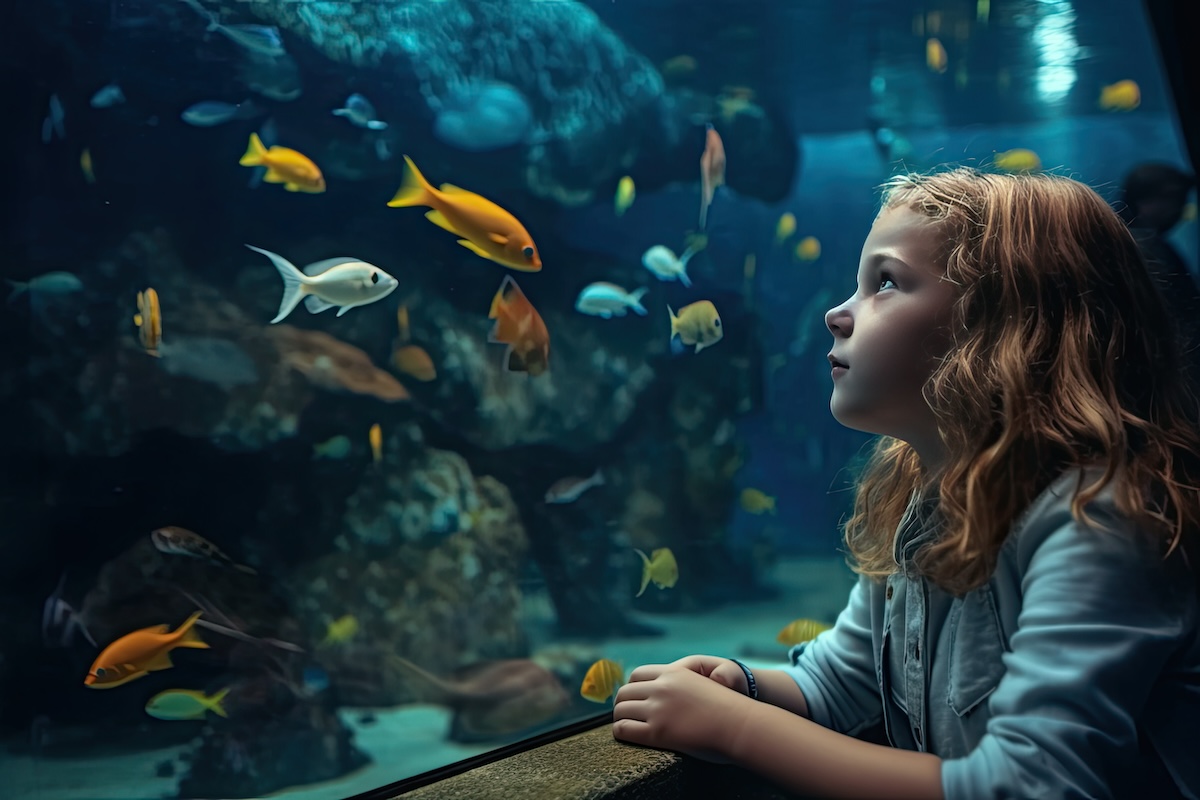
[[383, 380]]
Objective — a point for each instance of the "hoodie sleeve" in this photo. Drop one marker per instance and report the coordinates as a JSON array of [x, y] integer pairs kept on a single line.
[[837, 671]]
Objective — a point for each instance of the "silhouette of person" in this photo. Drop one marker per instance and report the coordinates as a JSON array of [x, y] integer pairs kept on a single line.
[[1154, 195]]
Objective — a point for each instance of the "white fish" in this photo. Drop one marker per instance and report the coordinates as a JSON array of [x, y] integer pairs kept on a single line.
[[666, 266], [49, 283], [568, 490], [110, 95], [360, 112], [608, 300], [343, 281], [262, 39]]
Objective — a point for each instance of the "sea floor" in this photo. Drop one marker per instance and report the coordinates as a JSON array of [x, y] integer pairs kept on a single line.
[[410, 740]]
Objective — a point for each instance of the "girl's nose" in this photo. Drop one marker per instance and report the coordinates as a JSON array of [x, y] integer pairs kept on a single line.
[[839, 321]]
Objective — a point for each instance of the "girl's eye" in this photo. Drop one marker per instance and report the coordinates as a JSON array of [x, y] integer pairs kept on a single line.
[[884, 280]]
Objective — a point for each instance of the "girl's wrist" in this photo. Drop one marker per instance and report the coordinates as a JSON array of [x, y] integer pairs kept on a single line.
[[751, 683]]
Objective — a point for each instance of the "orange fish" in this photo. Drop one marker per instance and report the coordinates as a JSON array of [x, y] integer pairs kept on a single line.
[[601, 681], [412, 360], [141, 652], [519, 325], [712, 170], [485, 228], [293, 169]]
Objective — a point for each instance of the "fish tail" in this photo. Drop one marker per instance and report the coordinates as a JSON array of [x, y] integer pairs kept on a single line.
[[18, 288], [190, 636], [635, 301], [214, 703], [645, 572], [293, 282], [253, 157], [414, 191]]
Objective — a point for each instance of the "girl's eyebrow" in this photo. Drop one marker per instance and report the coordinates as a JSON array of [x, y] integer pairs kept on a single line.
[[878, 258]]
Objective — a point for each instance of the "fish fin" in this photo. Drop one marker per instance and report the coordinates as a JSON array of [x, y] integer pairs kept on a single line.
[[341, 112], [294, 282], [137, 320], [159, 661], [271, 176], [516, 362], [439, 219], [498, 238], [450, 188], [674, 321], [677, 345], [344, 309], [699, 346], [645, 572], [320, 267], [292, 187], [316, 305], [476, 249], [255, 151], [190, 637], [18, 288], [376, 125], [214, 703], [684, 279], [414, 190], [635, 303]]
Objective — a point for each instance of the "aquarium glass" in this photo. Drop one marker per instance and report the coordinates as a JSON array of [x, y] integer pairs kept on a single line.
[[384, 380]]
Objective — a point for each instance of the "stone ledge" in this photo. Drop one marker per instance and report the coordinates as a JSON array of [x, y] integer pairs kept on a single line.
[[594, 766]]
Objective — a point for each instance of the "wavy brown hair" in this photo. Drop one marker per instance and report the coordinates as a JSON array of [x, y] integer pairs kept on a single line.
[[1063, 354]]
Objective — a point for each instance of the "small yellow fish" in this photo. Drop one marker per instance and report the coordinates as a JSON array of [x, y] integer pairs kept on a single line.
[[149, 321], [402, 324], [756, 501], [1121, 96], [696, 324], [177, 704], [659, 567], [85, 164], [935, 55], [1018, 160], [678, 67], [375, 436], [785, 227], [808, 249], [801, 630], [341, 630], [293, 169], [626, 192], [602, 680]]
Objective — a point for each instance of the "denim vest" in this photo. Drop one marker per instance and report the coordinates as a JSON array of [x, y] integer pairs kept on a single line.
[[1073, 672]]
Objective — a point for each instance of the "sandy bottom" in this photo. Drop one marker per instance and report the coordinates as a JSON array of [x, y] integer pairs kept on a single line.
[[410, 740]]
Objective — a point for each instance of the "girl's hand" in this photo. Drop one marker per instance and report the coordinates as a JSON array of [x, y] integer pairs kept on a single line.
[[682, 707], [721, 670]]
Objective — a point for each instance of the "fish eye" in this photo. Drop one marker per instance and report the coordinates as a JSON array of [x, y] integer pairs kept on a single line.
[[374, 277], [717, 323], [99, 672], [528, 251]]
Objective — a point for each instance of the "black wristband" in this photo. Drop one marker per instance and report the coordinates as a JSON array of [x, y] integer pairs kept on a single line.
[[751, 685]]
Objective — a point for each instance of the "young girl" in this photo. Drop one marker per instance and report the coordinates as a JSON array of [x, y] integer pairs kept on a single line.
[[1025, 621]]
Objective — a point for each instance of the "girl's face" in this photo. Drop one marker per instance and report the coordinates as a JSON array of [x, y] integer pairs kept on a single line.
[[890, 334]]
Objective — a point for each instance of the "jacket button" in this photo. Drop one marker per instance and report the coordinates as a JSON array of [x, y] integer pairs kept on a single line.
[[888, 595]]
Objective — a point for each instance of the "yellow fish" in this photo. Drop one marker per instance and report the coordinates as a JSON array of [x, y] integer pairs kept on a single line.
[[602, 680], [411, 359], [935, 55], [626, 192], [141, 652], [808, 249], [85, 164], [176, 704], [659, 567], [755, 501], [375, 436], [402, 324], [149, 321], [341, 630], [293, 169], [785, 227], [696, 324], [1018, 160], [1121, 96], [486, 228], [801, 630]]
